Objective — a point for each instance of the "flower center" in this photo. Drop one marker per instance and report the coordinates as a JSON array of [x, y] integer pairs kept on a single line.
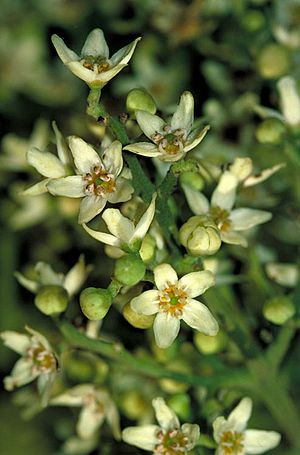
[[99, 182], [43, 361], [221, 218], [232, 443], [172, 300], [98, 64], [171, 442], [170, 143]]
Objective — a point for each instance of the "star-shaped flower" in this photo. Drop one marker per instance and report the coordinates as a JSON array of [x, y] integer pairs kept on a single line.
[[94, 65], [173, 300], [233, 438], [98, 179], [170, 141], [166, 438]]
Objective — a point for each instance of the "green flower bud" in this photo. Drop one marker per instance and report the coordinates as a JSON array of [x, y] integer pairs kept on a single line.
[[95, 303], [129, 270], [270, 131], [133, 405], [192, 179], [148, 248], [253, 20], [210, 344], [52, 299], [79, 366], [139, 98], [273, 61], [200, 236], [172, 386], [181, 405], [140, 321], [278, 310]]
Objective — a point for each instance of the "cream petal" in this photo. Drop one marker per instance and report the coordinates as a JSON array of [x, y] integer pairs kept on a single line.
[[234, 238], [150, 124], [72, 186], [90, 419], [220, 425], [198, 316], [95, 45], [85, 156], [192, 432], [197, 202], [80, 71], [76, 276], [125, 53], [46, 275], [165, 416], [195, 138], [241, 414], [145, 221], [15, 341], [38, 188], [64, 53], [144, 149], [143, 437], [112, 158], [146, 303], [196, 283], [241, 167], [289, 100], [102, 78], [21, 374], [224, 194], [62, 148], [122, 193], [243, 218], [184, 115], [112, 417], [258, 441], [108, 239], [164, 274], [45, 163], [31, 285], [263, 175], [120, 226], [69, 398], [166, 328], [90, 206]]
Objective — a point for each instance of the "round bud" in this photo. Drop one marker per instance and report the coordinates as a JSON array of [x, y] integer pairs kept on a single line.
[[192, 179], [181, 405], [210, 344], [95, 303], [140, 99], [253, 20], [273, 61], [278, 310], [133, 404], [129, 270], [140, 321], [270, 131], [52, 299], [200, 236]]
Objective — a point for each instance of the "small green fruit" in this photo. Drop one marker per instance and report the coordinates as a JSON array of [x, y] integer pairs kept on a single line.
[[129, 270], [95, 303], [51, 300]]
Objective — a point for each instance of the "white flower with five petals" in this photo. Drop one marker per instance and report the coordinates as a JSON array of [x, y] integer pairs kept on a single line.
[[94, 65], [173, 300], [170, 141], [98, 179], [166, 438], [233, 438]]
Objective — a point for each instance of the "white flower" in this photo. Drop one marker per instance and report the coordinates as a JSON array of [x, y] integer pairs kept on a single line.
[[96, 405], [174, 300], [171, 141], [233, 438], [94, 65], [98, 179], [289, 100], [166, 438], [228, 221], [37, 360], [124, 234]]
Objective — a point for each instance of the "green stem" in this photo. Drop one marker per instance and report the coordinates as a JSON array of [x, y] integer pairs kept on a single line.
[[278, 349]]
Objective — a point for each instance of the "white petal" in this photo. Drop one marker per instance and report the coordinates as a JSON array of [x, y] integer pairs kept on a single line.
[[146, 303], [244, 218], [31, 285], [47, 276], [90, 206], [197, 202], [64, 53], [196, 283], [16, 341], [165, 416], [289, 100], [192, 432], [112, 158], [72, 186], [122, 192], [263, 175], [258, 441], [194, 138], [76, 276], [143, 437], [241, 414], [37, 188], [21, 374], [198, 316], [80, 71], [283, 273], [150, 124], [224, 194], [95, 45], [85, 157], [102, 78], [144, 149], [90, 419], [241, 168], [145, 221], [120, 226], [234, 238], [220, 425], [108, 239], [112, 417], [68, 399], [62, 148], [184, 115], [45, 163], [166, 328], [125, 53], [164, 274]]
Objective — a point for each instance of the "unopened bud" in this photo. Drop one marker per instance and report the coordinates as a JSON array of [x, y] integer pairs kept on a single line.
[[52, 299], [140, 99], [278, 310], [129, 270], [210, 344], [140, 321], [273, 61], [200, 236], [95, 303], [192, 179], [181, 405], [270, 131], [133, 404]]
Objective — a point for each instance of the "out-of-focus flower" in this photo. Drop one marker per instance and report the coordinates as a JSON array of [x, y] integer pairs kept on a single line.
[[168, 437], [94, 65], [173, 300], [170, 141], [289, 100], [284, 274], [232, 436]]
